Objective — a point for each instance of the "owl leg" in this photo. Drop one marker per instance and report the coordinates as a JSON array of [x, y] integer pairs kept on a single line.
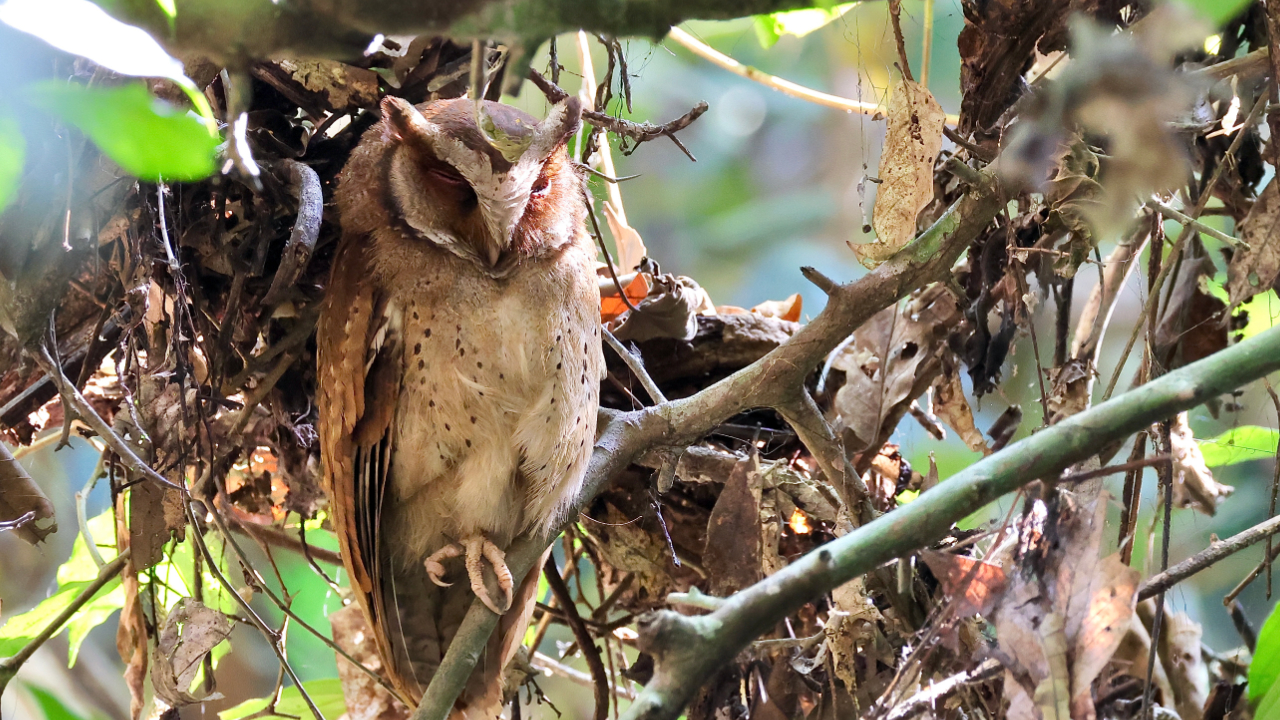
[[435, 568], [479, 548]]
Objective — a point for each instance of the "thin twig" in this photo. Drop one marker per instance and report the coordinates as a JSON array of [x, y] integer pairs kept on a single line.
[[1113, 469], [773, 82], [636, 132], [636, 365], [1187, 221], [75, 402], [928, 698], [1207, 557], [586, 643], [273, 638]]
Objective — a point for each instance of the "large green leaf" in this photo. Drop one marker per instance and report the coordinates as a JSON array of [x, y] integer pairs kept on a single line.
[[19, 630], [326, 693], [771, 27], [50, 705], [1240, 444], [1265, 668], [147, 137], [13, 151]]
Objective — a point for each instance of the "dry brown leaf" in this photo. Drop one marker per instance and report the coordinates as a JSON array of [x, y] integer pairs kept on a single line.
[[155, 517], [911, 146], [732, 555], [670, 310], [190, 632], [631, 249], [131, 634], [788, 309], [1193, 481], [1099, 617], [366, 699], [1061, 640], [951, 406], [973, 585], [892, 360], [1180, 654], [1191, 325], [23, 505], [1068, 390], [1254, 269]]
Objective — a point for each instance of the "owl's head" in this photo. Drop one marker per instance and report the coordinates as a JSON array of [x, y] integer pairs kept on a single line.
[[493, 192]]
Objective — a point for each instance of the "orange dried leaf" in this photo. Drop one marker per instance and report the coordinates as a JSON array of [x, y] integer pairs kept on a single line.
[[974, 585], [611, 306], [788, 309]]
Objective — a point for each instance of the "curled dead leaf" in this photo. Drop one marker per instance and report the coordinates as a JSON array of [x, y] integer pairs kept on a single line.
[[190, 632], [1193, 482], [23, 505], [1255, 268], [951, 406], [911, 146]]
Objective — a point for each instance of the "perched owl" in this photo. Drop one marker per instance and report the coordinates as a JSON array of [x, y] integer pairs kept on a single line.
[[459, 370]]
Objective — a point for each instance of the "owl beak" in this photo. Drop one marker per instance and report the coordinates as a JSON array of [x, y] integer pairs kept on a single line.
[[500, 221]]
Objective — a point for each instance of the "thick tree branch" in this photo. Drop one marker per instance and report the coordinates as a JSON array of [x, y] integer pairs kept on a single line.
[[236, 31], [689, 649], [773, 381]]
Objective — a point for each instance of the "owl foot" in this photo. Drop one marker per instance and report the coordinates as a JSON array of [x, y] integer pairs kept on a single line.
[[475, 549]]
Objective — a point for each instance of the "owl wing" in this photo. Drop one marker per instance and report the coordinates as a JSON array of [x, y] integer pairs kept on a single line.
[[360, 372]]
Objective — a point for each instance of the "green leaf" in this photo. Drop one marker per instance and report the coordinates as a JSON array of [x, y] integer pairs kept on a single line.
[[1269, 706], [1217, 12], [771, 27], [1240, 444], [19, 630], [326, 693], [50, 705], [147, 137], [169, 7], [1265, 667], [93, 614], [13, 151]]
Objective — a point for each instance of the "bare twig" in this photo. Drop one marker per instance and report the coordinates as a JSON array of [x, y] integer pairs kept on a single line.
[[1208, 556], [75, 402], [636, 365], [928, 698], [637, 132], [585, 642], [786, 87]]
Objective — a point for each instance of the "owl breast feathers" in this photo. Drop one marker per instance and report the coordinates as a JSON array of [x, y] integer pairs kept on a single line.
[[459, 370]]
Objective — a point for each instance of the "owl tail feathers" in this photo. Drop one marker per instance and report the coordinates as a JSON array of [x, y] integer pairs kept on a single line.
[[423, 624]]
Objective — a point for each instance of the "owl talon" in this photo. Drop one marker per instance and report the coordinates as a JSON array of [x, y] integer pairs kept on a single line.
[[435, 569], [479, 548]]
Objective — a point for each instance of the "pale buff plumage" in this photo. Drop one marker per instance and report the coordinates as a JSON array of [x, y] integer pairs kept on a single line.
[[459, 367]]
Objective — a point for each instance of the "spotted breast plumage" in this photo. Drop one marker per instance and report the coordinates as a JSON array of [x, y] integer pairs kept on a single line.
[[459, 368]]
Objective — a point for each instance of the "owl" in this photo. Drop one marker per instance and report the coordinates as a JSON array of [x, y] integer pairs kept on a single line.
[[459, 368]]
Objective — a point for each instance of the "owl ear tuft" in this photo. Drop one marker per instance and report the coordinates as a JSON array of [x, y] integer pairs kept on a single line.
[[403, 121]]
